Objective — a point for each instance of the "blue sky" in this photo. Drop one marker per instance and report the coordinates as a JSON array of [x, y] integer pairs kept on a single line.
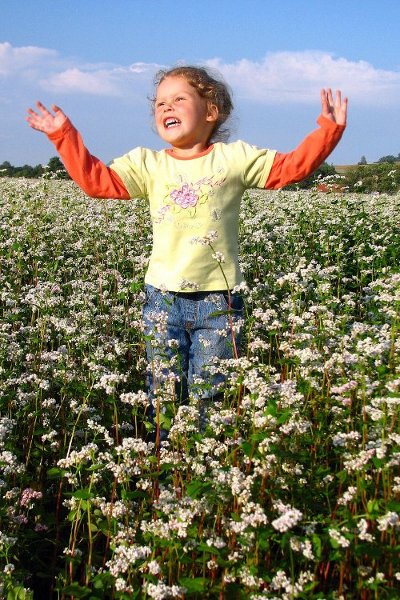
[[97, 59]]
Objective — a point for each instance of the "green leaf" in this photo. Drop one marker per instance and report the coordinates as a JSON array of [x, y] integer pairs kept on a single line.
[[19, 593], [373, 508], [55, 473], [195, 488], [76, 590], [317, 546], [83, 494], [197, 584]]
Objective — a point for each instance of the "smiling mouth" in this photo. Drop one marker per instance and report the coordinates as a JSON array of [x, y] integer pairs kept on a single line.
[[171, 122]]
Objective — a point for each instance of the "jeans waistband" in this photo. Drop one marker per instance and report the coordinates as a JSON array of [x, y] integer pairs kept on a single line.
[[197, 295]]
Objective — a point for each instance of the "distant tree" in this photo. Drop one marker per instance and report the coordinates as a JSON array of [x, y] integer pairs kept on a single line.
[[6, 169], [363, 161], [383, 177], [323, 171], [56, 167], [387, 159]]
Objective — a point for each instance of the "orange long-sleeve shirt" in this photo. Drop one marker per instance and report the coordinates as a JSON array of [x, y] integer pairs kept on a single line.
[[99, 181]]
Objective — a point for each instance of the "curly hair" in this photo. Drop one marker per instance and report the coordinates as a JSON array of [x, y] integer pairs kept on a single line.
[[211, 87]]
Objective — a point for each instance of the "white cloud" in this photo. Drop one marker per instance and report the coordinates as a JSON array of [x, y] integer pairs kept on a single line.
[[292, 77], [280, 77], [14, 60], [76, 80], [103, 81]]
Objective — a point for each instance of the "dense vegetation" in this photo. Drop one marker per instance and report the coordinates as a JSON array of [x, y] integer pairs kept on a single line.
[[293, 490], [54, 168], [382, 176]]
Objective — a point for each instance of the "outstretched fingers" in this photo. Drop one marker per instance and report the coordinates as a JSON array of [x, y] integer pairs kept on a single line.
[[44, 120], [334, 108]]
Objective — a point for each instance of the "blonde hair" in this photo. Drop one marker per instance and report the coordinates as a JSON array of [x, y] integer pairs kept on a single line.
[[211, 87]]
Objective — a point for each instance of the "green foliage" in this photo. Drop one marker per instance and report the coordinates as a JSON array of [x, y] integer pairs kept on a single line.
[[324, 170], [53, 170], [383, 177], [389, 159]]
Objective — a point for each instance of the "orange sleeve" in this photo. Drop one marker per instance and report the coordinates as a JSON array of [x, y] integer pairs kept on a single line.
[[301, 162], [92, 175]]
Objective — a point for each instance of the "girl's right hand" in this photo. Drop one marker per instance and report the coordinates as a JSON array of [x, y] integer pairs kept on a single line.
[[44, 120]]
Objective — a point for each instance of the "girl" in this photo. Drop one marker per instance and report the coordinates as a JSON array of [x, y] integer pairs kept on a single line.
[[194, 186]]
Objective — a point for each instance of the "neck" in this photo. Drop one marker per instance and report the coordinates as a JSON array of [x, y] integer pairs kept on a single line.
[[187, 152]]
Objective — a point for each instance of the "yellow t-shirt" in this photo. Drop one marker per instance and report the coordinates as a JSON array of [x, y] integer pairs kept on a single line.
[[192, 201]]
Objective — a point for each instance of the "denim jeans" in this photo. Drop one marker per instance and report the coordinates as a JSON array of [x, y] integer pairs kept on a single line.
[[191, 329]]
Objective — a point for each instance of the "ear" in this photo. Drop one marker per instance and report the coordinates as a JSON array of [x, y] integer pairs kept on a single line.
[[212, 113]]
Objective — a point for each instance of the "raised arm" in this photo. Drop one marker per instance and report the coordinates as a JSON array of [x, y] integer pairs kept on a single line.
[[315, 148], [92, 175]]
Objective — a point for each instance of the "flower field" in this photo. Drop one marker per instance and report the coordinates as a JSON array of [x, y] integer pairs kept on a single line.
[[293, 488]]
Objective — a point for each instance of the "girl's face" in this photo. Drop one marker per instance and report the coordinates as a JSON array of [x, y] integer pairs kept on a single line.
[[183, 118]]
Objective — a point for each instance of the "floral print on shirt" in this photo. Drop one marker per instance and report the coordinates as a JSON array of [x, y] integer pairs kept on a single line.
[[185, 198]]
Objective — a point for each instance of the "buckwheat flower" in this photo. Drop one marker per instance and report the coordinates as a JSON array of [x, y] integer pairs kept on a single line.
[[9, 464], [8, 569], [153, 567], [75, 553], [389, 520], [6, 541], [185, 284], [241, 288], [114, 510], [125, 556], [208, 239], [160, 591], [339, 538], [305, 548], [6, 426], [247, 578], [109, 381], [359, 462], [28, 497], [135, 399], [92, 425], [393, 386], [122, 586], [362, 531], [216, 542], [157, 527], [280, 580], [253, 514], [348, 496], [219, 257], [85, 454], [206, 343], [346, 387], [229, 577], [289, 517]]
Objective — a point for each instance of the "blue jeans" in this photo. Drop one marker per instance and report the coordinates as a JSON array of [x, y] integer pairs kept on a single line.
[[191, 329]]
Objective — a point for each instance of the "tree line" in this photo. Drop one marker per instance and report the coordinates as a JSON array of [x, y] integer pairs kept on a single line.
[[382, 176], [53, 169]]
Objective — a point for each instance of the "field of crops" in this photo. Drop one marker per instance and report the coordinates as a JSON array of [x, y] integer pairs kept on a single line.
[[293, 489]]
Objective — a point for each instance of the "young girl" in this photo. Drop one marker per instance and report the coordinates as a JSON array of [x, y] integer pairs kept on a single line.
[[194, 188]]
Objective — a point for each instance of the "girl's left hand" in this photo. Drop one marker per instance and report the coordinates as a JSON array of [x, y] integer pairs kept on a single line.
[[335, 110]]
